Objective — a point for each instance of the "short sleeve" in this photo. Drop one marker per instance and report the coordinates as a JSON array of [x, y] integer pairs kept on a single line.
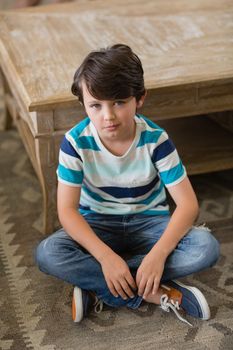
[[167, 161], [70, 167]]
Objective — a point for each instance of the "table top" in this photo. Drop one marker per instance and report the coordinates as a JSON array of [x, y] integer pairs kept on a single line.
[[180, 43]]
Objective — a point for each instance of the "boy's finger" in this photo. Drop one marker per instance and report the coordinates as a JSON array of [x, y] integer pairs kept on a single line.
[[120, 291], [141, 287], [155, 287], [126, 287], [131, 282], [138, 278], [113, 290], [148, 288]]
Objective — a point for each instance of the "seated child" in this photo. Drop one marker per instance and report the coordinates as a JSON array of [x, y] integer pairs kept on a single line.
[[119, 244]]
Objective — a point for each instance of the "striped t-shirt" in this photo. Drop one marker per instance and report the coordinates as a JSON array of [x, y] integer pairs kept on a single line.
[[120, 185]]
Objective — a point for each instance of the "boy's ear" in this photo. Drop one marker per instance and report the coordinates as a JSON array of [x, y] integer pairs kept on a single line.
[[141, 101]]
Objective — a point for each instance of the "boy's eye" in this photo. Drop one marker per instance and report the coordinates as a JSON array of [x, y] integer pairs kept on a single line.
[[95, 105], [118, 103]]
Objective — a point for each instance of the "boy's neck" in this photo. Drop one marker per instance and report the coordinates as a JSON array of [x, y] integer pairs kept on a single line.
[[121, 146], [117, 148]]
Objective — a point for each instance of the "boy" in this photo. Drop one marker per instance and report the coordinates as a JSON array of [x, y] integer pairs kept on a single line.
[[121, 245]]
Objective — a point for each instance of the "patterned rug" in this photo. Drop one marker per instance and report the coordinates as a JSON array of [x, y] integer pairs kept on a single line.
[[35, 308]]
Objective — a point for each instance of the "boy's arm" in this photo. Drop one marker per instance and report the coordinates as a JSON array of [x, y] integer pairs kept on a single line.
[[151, 269], [115, 270]]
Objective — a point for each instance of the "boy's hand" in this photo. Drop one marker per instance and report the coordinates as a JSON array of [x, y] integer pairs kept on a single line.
[[149, 274], [118, 276]]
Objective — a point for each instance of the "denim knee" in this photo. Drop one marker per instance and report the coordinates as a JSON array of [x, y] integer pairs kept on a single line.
[[209, 244], [42, 255]]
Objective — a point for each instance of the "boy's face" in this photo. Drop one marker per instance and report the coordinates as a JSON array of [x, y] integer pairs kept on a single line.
[[113, 119]]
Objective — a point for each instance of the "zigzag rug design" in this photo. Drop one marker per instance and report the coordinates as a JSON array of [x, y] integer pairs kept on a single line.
[[35, 308]]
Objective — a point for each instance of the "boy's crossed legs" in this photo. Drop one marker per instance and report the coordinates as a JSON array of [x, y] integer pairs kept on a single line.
[[59, 255]]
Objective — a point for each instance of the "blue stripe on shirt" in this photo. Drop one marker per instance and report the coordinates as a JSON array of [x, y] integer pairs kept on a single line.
[[172, 174], [95, 196], [163, 150], [84, 207], [155, 212], [87, 142], [129, 192], [69, 175], [76, 131], [152, 196], [67, 148], [149, 137]]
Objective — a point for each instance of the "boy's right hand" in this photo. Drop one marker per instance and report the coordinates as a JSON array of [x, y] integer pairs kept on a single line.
[[117, 275]]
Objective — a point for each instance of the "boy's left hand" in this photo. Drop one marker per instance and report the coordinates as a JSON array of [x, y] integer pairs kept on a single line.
[[149, 274]]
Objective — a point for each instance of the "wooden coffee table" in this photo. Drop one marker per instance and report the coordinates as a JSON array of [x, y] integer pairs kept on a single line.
[[187, 53]]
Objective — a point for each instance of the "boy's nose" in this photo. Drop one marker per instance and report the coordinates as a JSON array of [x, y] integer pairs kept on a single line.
[[109, 115]]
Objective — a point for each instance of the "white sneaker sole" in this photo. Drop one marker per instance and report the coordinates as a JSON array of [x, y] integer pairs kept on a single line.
[[201, 300], [77, 305]]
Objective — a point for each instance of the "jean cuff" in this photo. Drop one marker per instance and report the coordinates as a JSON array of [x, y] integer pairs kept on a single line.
[[135, 302]]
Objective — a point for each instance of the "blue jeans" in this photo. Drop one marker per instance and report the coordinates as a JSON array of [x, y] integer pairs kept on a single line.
[[132, 237]]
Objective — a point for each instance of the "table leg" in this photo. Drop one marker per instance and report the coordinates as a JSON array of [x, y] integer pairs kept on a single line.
[[5, 117], [47, 142], [42, 153], [47, 165]]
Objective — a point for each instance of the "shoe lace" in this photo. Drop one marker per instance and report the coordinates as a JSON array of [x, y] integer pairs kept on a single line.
[[98, 305], [168, 305]]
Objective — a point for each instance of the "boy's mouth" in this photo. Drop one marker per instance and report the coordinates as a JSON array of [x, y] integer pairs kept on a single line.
[[111, 127]]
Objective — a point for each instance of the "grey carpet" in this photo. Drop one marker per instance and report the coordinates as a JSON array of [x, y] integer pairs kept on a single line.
[[35, 308]]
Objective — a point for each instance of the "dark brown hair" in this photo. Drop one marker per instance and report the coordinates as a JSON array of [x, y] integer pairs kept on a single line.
[[112, 73]]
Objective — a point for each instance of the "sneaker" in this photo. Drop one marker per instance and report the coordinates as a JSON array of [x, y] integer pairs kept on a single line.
[[82, 302], [179, 296]]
